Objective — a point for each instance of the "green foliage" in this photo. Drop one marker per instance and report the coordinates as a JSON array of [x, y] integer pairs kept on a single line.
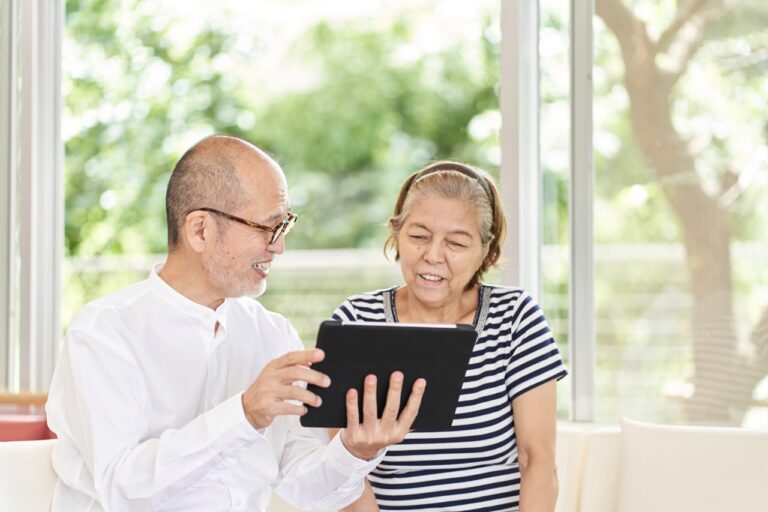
[[133, 98], [368, 120], [370, 108], [137, 97]]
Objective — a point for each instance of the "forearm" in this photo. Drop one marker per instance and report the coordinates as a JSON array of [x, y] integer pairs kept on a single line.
[[321, 474], [538, 485], [366, 502], [159, 468]]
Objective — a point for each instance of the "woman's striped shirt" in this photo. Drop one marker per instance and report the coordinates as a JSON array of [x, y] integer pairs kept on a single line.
[[473, 465]]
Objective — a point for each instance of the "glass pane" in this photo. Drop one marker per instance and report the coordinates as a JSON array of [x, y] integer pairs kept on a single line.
[[9, 152], [555, 163], [681, 191], [5, 190], [350, 97]]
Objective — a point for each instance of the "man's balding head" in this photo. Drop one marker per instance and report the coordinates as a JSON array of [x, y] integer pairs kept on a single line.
[[209, 175]]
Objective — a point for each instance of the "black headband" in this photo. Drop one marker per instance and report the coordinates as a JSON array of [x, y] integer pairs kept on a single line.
[[462, 169]]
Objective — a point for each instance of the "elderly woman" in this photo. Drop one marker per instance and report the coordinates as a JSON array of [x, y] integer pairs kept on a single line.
[[499, 455]]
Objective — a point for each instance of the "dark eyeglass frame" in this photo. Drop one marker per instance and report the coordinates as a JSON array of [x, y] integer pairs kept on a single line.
[[283, 228]]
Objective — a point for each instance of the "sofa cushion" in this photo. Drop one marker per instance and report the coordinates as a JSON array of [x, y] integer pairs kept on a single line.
[[599, 491], [27, 479], [569, 458], [696, 469]]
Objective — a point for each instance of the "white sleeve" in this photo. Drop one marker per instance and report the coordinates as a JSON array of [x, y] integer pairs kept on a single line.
[[316, 474], [96, 403]]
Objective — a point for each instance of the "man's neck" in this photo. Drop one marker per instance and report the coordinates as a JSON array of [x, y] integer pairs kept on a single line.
[[185, 277]]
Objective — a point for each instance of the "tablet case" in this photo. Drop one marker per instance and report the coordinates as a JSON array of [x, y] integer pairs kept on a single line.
[[438, 353]]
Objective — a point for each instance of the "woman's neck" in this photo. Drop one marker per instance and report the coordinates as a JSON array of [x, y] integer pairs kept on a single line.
[[458, 311]]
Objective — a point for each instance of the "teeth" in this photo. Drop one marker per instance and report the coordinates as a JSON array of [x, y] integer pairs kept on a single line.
[[430, 277], [262, 266]]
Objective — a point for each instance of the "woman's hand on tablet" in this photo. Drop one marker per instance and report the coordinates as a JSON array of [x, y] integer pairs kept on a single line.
[[364, 439]]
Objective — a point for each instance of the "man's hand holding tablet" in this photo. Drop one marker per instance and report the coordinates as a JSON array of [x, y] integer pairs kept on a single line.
[[274, 393]]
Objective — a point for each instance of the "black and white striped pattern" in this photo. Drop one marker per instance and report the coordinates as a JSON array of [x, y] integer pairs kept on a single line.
[[473, 466]]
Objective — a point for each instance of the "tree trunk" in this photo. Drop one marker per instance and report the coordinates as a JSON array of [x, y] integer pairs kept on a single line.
[[723, 379]]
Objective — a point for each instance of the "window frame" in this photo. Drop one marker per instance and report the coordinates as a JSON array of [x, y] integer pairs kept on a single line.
[[521, 177], [33, 189], [7, 177], [581, 294]]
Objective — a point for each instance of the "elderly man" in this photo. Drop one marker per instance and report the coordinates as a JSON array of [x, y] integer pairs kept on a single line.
[[178, 393]]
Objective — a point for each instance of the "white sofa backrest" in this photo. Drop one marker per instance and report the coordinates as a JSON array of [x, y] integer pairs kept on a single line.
[[600, 478], [587, 461], [640, 467], [569, 458], [26, 476], [692, 469]]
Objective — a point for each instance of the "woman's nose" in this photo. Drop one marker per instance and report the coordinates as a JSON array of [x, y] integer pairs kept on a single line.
[[434, 252]]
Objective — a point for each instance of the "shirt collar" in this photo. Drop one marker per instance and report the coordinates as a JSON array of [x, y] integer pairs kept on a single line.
[[185, 305]]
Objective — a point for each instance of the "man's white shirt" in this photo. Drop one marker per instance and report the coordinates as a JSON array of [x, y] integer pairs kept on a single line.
[[146, 403]]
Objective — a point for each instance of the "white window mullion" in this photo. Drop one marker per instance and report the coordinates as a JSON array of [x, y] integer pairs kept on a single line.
[[40, 190], [582, 304], [8, 155], [520, 169]]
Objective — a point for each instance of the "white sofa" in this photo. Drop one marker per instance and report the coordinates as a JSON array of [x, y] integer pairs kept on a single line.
[[641, 467], [634, 467], [26, 475]]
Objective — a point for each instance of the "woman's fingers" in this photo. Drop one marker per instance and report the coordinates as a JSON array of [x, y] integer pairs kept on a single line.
[[408, 416], [370, 411], [392, 406]]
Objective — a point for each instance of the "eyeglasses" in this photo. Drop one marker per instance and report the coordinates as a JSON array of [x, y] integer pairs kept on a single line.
[[283, 228]]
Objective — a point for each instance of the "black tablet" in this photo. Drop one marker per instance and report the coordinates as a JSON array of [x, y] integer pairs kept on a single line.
[[438, 353]]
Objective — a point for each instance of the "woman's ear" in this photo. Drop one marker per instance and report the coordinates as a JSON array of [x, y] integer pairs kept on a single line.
[[197, 230]]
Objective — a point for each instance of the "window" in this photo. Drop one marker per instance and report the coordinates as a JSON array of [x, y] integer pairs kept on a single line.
[[680, 156], [635, 140], [7, 184], [30, 190], [554, 45]]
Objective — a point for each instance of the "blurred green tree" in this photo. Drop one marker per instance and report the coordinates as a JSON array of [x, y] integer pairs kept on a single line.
[[137, 95]]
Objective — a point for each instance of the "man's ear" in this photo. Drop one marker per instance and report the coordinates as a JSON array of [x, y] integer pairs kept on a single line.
[[198, 228]]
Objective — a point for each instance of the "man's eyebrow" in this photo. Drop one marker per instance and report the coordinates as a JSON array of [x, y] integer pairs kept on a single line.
[[274, 218]]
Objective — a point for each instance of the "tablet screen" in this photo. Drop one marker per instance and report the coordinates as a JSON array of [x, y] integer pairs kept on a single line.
[[438, 353]]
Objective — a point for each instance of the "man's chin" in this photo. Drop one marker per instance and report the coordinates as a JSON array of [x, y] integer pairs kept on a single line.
[[252, 291], [243, 288], [260, 291]]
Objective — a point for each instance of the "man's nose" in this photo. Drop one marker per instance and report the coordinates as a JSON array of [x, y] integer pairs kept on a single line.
[[278, 246]]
